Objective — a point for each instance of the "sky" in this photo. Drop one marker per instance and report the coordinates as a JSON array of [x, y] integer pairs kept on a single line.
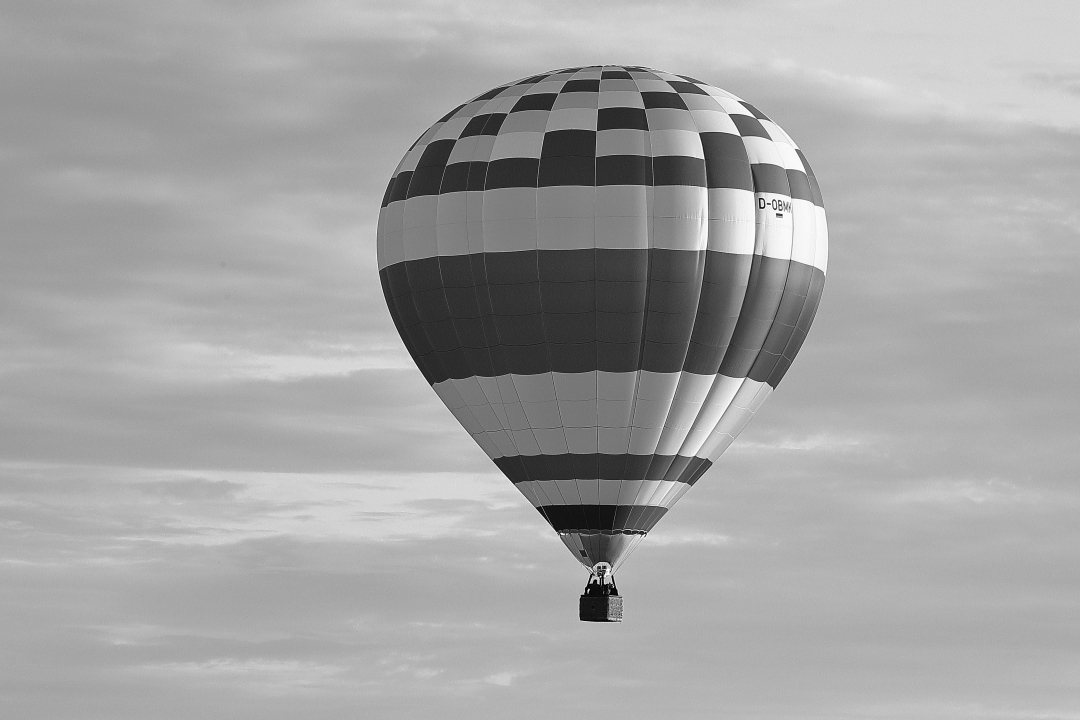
[[225, 492]]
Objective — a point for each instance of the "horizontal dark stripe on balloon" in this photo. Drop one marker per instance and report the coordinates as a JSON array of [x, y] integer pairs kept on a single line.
[[602, 518], [570, 311], [583, 171], [601, 466]]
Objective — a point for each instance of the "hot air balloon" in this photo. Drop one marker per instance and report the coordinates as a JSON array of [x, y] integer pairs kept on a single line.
[[603, 272]]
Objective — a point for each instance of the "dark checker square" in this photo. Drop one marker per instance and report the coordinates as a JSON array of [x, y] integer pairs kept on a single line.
[[615, 75], [511, 172], [539, 101], [624, 170], [757, 113], [749, 127], [581, 86], [483, 125], [567, 170], [686, 87], [663, 100], [559, 143], [621, 118]]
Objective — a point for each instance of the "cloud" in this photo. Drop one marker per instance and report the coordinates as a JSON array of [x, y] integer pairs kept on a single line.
[[224, 489]]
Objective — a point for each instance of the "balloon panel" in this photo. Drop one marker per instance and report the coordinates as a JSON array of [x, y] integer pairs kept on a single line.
[[603, 273]]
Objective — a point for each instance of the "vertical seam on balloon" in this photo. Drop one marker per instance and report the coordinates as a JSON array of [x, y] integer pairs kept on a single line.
[[649, 231], [787, 280], [704, 261]]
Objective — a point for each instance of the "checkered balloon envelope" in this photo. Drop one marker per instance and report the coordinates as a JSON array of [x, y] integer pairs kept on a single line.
[[603, 272]]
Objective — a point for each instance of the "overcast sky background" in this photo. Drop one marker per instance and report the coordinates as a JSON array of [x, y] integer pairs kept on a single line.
[[226, 492]]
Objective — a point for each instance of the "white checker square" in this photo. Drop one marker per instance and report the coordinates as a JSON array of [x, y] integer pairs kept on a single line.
[[652, 84], [509, 203], [647, 492], [686, 143], [475, 229], [618, 84], [565, 202], [821, 255], [619, 97], [546, 86], [657, 386], [470, 391], [731, 105], [392, 249], [552, 441], [773, 233], [569, 491], [623, 201], [487, 418], [612, 440], [535, 388], [508, 235], [680, 233], [589, 73], [731, 204], [452, 239], [700, 102], [680, 201], [463, 150], [693, 387], [714, 121], [670, 119], [762, 150], [420, 211], [650, 413], [589, 491], [542, 414], [671, 440], [482, 149], [622, 142], [575, 386], [557, 233], [517, 144], [804, 231], [572, 119], [507, 389], [614, 413], [578, 413], [502, 441], [616, 386], [628, 493], [515, 415], [608, 491], [525, 442], [452, 208], [628, 233], [490, 387], [525, 121], [581, 440], [575, 100], [451, 129], [420, 242]]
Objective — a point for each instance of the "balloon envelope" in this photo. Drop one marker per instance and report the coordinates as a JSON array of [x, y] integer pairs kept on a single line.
[[603, 272]]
